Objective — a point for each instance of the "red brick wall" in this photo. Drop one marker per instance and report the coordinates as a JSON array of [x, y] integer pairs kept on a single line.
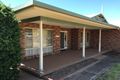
[[80, 39], [74, 38], [56, 35], [31, 25], [110, 39], [56, 40], [94, 38]]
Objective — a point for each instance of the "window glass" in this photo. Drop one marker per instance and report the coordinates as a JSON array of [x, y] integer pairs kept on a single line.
[[88, 37], [81, 38], [28, 38], [49, 37]]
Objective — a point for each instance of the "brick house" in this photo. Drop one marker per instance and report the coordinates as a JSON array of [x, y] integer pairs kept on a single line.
[[48, 30]]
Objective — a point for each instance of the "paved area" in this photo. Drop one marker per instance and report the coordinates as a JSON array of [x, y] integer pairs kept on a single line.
[[57, 61], [61, 73], [79, 71], [93, 71]]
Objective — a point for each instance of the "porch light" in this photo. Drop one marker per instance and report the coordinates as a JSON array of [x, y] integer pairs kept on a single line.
[[57, 36]]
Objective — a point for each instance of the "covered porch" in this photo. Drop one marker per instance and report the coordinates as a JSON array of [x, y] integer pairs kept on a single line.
[[81, 49], [81, 45], [57, 61]]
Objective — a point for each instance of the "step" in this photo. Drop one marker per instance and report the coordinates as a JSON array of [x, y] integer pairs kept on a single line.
[[92, 71], [61, 73]]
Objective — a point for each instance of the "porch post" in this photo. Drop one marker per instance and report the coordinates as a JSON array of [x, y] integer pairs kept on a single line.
[[41, 46], [99, 41], [83, 48]]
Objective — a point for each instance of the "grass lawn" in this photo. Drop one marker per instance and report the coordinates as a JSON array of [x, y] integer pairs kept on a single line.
[[111, 74]]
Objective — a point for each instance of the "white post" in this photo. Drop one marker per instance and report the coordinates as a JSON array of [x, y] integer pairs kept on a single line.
[[83, 48], [99, 41], [41, 47]]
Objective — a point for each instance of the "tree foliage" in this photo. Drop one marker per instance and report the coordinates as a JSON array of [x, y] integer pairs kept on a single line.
[[9, 44]]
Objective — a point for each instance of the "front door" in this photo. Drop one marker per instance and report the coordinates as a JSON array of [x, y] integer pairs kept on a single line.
[[87, 39], [63, 40]]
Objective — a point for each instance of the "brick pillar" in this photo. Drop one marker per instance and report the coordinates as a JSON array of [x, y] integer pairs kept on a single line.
[[94, 39], [80, 38], [74, 39], [56, 40], [22, 41], [69, 39]]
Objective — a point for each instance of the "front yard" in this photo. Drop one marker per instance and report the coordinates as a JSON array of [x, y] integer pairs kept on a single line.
[[112, 74]]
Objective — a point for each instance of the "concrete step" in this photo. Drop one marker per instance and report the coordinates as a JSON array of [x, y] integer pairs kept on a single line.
[[61, 73], [26, 76], [32, 72], [92, 71]]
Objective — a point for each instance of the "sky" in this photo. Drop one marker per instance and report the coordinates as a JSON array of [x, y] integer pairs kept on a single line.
[[109, 8]]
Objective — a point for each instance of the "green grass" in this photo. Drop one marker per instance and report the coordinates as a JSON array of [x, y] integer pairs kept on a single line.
[[111, 74]]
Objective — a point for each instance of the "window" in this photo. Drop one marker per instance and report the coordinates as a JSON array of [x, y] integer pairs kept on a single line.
[[87, 36], [49, 39], [81, 38], [28, 38]]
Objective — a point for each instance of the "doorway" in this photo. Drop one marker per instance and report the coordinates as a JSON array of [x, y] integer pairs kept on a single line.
[[63, 40]]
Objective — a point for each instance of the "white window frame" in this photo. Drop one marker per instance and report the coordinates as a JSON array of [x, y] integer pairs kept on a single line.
[[26, 38], [65, 47], [52, 37]]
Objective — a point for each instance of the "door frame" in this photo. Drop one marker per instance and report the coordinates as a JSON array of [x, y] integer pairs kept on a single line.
[[65, 45]]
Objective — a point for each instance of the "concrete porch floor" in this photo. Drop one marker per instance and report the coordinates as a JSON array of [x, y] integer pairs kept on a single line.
[[57, 61]]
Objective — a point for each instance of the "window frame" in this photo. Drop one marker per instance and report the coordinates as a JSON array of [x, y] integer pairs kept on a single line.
[[29, 38]]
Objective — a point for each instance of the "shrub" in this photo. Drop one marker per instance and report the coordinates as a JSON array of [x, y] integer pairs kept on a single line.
[[9, 44]]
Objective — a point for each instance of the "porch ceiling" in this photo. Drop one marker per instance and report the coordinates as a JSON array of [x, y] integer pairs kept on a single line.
[[64, 24], [76, 22]]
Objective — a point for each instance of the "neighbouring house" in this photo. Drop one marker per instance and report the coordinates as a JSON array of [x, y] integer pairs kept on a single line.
[[52, 37]]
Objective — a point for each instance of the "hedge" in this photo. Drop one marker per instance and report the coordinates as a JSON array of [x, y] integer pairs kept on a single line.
[[9, 44]]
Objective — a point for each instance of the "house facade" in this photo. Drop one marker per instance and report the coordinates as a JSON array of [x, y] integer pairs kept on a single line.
[[48, 30]]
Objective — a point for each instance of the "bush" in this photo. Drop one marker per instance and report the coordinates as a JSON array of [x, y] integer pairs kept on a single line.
[[9, 44]]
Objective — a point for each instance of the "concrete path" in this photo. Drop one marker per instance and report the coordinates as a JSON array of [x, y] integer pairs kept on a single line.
[[96, 69], [86, 70]]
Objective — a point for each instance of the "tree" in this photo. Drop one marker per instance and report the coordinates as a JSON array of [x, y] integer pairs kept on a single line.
[[9, 44]]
